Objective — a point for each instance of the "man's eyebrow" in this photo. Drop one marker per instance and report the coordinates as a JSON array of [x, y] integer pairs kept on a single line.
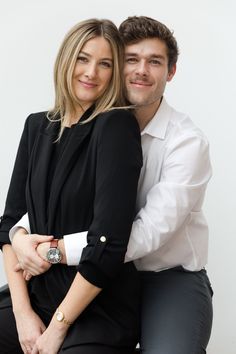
[[89, 55], [131, 54], [159, 56], [154, 55]]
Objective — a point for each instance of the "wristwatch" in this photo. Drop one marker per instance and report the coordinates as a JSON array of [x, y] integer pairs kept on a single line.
[[60, 317], [54, 255]]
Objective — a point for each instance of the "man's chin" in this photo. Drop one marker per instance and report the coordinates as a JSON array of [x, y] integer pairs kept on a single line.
[[137, 101]]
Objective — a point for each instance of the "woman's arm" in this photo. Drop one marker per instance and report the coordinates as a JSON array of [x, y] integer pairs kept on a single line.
[[80, 294], [119, 160]]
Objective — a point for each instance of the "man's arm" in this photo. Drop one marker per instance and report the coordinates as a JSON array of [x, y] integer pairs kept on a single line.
[[71, 245], [185, 174]]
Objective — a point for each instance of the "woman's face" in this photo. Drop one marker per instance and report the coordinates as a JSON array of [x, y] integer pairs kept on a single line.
[[93, 71]]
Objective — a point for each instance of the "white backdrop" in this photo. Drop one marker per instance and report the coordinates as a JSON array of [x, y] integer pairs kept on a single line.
[[204, 87]]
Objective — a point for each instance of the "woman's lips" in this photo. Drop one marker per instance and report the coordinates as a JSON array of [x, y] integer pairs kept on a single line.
[[87, 84]]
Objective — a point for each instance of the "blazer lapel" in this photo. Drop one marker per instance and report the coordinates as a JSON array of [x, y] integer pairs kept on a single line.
[[79, 135], [38, 176]]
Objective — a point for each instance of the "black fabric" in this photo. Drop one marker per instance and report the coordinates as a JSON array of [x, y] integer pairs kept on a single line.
[[176, 312], [9, 343], [96, 349], [93, 187], [5, 299], [15, 206], [9, 338]]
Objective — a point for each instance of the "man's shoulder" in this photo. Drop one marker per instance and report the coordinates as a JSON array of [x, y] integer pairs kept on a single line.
[[181, 125]]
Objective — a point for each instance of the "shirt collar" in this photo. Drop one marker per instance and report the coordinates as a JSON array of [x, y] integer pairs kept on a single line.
[[158, 124]]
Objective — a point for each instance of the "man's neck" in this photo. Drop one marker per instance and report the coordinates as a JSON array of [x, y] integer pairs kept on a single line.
[[144, 114]]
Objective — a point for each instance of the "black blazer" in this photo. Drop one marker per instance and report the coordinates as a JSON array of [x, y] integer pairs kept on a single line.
[[93, 188]]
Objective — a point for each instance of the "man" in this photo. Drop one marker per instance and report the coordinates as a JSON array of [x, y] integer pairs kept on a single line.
[[169, 237]]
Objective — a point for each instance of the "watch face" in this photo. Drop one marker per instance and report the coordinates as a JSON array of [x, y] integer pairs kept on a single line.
[[59, 316], [54, 255]]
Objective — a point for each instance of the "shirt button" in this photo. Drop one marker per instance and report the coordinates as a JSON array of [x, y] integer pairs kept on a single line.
[[103, 238]]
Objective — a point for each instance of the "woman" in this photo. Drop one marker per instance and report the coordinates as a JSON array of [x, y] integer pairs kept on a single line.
[[77, 169]]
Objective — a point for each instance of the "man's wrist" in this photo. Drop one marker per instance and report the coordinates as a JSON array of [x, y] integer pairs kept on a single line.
[[61, 247], [54, 255], [43, 248]]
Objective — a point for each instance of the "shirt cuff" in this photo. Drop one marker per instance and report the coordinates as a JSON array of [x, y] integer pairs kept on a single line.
[[22, 223], [74, 244]]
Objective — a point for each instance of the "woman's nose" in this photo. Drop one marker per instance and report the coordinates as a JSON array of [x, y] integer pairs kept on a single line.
[[91, 70]]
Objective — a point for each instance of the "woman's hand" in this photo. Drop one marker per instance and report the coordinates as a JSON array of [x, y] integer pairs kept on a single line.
[[29, 327], [51, 340], [24, 246]]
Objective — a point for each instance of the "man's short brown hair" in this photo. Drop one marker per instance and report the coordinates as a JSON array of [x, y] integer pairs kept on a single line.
[[137, 28]]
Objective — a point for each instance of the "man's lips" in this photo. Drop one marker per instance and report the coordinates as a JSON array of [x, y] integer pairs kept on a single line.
[[88, 84], [140, 83]]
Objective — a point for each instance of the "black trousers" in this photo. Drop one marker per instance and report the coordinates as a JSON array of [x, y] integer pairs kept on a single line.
[[176, 312], [9, 343]]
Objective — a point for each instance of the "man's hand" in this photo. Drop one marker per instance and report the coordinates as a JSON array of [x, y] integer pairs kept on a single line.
[[24, 246], [42, 249]]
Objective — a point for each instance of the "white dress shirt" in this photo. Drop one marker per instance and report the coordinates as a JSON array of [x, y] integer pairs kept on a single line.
[[169, 229]]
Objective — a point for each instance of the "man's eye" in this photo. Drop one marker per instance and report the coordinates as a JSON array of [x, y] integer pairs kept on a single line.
[[155, 62], [131, 60], [82, 59]]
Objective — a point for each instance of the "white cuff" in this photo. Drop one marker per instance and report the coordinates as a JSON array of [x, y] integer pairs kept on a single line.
[[22, 223], [74, 244]]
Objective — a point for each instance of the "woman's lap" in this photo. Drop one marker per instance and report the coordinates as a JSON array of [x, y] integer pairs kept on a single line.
[[9, 343]]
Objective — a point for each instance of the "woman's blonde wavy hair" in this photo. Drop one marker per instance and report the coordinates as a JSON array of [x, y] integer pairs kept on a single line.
[[65, 98]]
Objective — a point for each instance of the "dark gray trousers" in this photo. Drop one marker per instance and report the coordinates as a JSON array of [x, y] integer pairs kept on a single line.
[[176, 312]]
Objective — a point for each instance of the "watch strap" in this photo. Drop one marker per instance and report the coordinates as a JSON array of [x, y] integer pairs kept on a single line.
[[54, 243]]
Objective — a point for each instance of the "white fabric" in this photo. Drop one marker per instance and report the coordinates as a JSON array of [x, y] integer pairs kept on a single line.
[[23, 222], [74, 244], [170, 228]]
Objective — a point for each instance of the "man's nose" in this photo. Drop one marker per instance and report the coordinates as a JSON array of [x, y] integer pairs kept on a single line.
[[142, 68]]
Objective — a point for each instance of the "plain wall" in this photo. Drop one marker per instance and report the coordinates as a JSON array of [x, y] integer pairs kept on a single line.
[[204, 87]]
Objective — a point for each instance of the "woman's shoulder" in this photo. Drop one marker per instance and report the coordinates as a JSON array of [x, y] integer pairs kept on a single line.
[[37, 120], [37, 117], [117, 118]]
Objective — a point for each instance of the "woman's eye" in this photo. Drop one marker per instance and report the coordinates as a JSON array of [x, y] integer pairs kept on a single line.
[[82, 59], [106, 64]]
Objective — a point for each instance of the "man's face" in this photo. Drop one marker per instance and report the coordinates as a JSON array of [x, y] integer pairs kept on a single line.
[[146, 71]]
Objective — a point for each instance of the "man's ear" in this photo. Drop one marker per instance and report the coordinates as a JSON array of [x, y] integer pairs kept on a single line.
[[171, 73]]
